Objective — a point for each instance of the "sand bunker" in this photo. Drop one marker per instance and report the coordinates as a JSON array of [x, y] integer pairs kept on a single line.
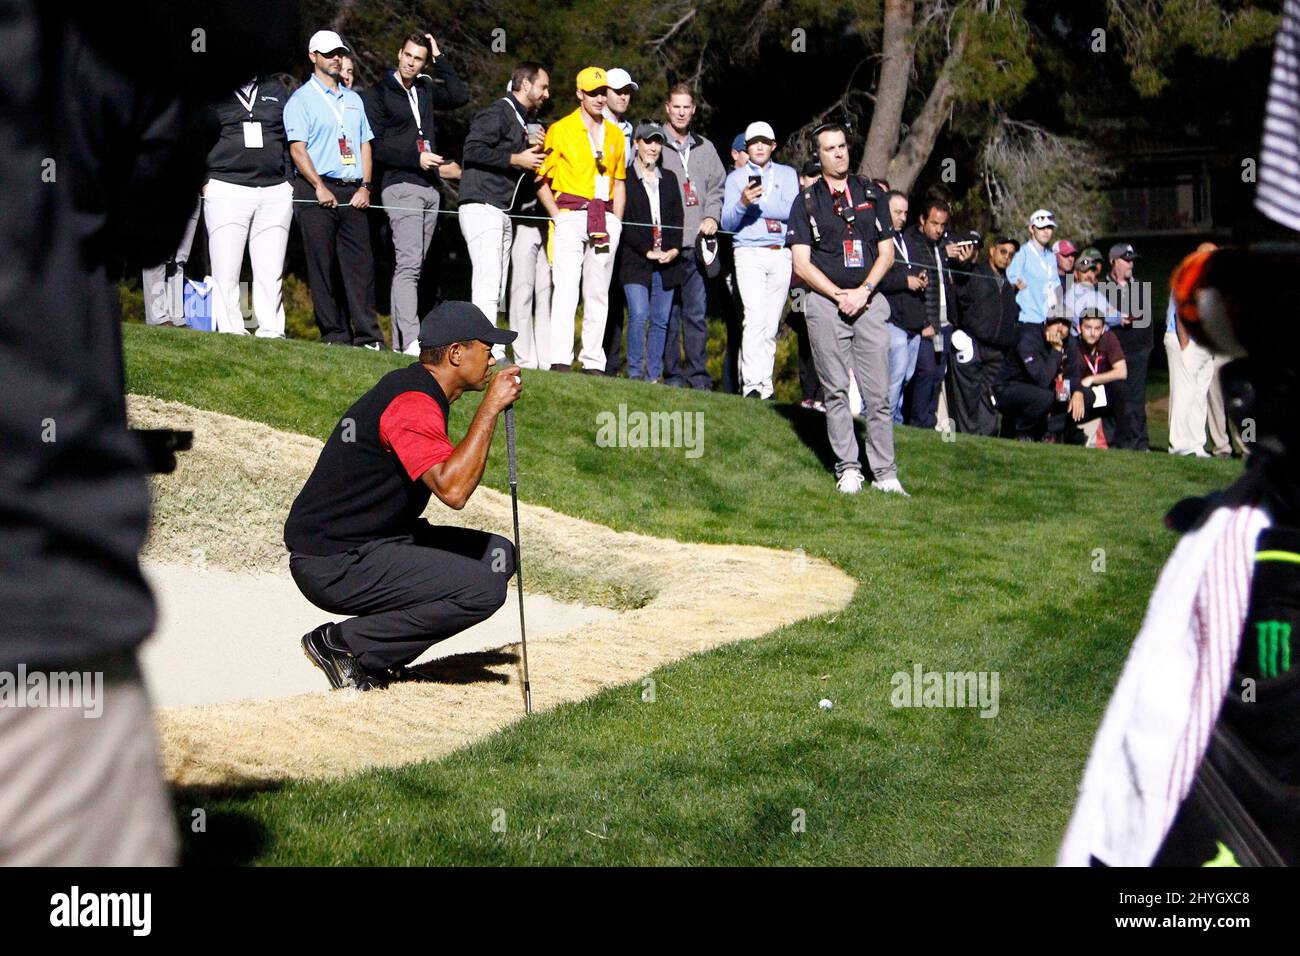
[[231, 618]]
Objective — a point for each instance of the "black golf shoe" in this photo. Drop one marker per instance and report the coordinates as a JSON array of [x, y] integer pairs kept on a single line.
[[340, 667]]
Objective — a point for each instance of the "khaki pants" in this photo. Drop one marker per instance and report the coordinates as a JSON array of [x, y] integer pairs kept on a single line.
[[575, 262], [1191, 373], [85, 791]]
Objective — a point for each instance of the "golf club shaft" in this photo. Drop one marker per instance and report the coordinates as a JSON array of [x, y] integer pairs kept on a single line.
[[519, 564]]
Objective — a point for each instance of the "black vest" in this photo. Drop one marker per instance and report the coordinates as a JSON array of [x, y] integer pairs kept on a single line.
[[359, 490]]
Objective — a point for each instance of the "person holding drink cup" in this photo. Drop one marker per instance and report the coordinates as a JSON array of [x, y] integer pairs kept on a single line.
[[502, 150]]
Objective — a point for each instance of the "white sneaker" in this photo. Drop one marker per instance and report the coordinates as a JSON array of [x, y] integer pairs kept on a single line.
[[850, 482], [412, 350], [891, 485]]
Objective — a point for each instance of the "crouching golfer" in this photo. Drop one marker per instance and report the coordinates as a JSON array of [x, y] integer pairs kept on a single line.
[[356, 540]]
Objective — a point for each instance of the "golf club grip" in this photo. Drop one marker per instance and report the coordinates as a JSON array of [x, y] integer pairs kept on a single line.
[[510, 443]]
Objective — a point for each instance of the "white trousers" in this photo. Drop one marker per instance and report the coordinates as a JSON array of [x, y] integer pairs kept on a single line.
[[1191, 372], [256, 217], [488, 237], [575, 262], [763, 277], [530, 296]]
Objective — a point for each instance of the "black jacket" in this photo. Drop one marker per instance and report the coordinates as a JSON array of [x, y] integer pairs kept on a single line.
[[932, 255], [396, 152], [229, 160], [1033, 362], [634, 267], [986, 303], [906, 307], [496, 133]]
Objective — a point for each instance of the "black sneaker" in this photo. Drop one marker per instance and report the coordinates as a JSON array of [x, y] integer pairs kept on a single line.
[[340, 667]]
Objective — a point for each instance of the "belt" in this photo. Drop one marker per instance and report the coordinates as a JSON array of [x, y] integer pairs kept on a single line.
[[341, 182]]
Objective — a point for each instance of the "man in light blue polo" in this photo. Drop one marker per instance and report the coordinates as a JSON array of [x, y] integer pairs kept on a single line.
[[756, 201], [329, 141], [1033, 271]]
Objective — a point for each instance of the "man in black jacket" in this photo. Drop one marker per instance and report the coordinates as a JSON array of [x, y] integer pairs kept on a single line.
[[400, 109], [989, 317], [904, 288], [1040, 381], [930, 243], [501, 151]]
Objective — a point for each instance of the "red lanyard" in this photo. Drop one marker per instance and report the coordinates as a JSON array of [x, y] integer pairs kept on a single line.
[[1092, 366], [840, 200]]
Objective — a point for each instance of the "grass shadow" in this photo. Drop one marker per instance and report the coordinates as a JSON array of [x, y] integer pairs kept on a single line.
[[220, 835]]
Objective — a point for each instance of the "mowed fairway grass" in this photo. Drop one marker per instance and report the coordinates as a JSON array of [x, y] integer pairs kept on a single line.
[[994, 564]]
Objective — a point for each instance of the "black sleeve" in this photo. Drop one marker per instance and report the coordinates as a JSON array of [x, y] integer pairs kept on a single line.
[[895, 280], [486, 146], [800, 233], [1038, 367], [637, 239], [672, 215], [389, 150], [452, 91]]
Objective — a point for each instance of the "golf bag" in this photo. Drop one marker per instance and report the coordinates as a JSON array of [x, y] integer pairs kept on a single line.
[[1244, 806]]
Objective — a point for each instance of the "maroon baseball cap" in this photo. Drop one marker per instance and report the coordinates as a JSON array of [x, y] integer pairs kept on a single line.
[[1064, 247]]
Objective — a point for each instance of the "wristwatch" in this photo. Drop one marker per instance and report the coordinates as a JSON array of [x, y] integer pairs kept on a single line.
[[365, 185], [869, 287]]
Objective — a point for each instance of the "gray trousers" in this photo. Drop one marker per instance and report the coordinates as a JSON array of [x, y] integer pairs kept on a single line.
[[412, 226], [861, 344]]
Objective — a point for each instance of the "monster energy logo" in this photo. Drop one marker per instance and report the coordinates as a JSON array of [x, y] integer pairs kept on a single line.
[[1274, 639]]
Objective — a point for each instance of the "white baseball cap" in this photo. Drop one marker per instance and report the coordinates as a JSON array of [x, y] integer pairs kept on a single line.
[[326, 41], [759, 130], [1041, 218], [619, 78]]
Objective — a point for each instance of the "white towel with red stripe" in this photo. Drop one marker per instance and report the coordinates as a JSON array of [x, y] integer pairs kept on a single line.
[[1157, 726]]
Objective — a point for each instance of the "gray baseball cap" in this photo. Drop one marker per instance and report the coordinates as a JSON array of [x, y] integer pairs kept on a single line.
[[649, 130]]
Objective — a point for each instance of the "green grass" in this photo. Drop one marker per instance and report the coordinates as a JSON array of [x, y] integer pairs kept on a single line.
[[988, 567]]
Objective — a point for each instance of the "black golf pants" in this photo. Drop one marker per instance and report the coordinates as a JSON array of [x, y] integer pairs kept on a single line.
[[408, 593]]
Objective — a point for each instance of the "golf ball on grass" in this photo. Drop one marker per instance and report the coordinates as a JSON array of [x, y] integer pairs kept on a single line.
[[825, 704]]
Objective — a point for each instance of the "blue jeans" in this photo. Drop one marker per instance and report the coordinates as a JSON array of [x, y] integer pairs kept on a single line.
[[931, 367], [687, 322], [645, 349], [904, 347]]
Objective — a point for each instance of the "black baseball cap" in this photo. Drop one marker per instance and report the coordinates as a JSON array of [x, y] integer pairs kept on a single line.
[[1007, 240], [451, 322]]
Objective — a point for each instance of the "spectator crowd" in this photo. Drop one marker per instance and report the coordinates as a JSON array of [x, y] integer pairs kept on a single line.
[[899, 316]]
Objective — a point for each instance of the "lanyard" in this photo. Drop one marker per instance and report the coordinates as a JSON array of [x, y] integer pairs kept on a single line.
[[848, 203], [1092, 366], [249, 101], [414, 100], [686, 157], [515, 113], [901, 245], [597, 148], [329, 101]]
